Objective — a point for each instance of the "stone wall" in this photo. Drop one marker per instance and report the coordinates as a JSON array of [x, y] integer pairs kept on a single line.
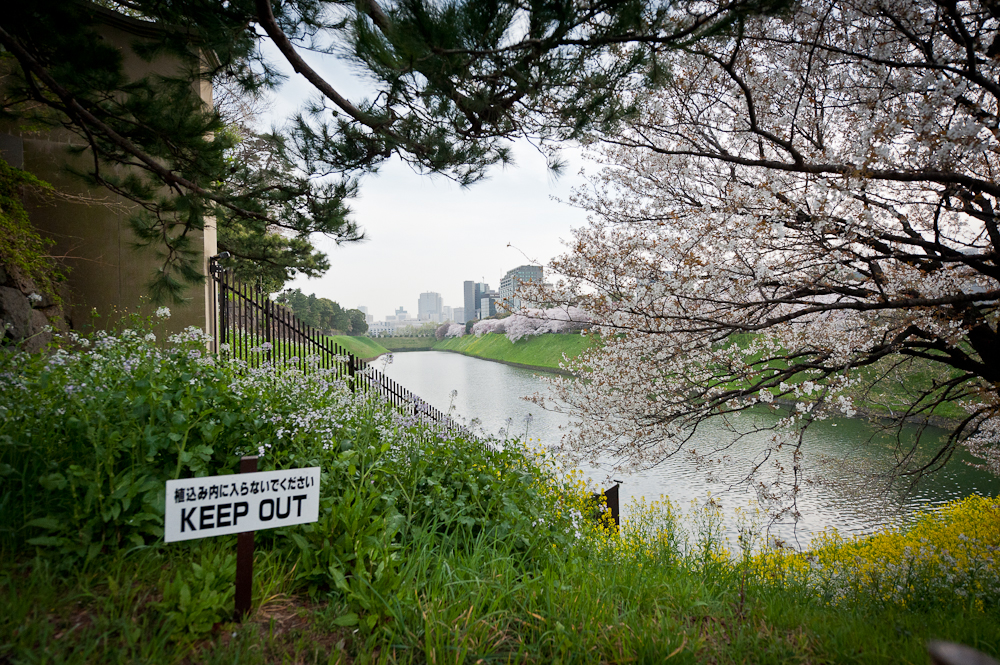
[[27, 316]]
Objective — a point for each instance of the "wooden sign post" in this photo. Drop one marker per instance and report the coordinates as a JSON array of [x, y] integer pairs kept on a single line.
[[244, 555], [242, 504]]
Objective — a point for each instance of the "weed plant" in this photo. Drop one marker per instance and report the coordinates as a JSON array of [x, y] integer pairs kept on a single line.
[[431, 547]]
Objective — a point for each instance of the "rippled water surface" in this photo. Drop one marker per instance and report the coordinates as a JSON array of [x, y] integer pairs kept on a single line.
[[838, 495]]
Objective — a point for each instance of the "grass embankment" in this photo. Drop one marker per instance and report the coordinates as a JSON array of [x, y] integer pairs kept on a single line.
[[888, 388], [365, 348], [429, 548], [541, 351], [407, 343], [884, 389]]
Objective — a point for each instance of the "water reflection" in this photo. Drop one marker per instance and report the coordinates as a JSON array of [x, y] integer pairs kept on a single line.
[[835, 494]]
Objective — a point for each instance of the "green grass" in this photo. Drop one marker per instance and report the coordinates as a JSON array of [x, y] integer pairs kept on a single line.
[[535, 351], [363, 347], [429, 548], [894, 390], [466, 601], [407, 343], [109, 612], [887, 388]]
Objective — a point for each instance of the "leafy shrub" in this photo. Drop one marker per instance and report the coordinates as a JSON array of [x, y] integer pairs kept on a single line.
[[201, 594], [88, 437], [90, 434]]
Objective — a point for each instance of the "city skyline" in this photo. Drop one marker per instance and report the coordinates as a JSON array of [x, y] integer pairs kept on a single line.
[[423, 230], [431, 306], [381, 306]]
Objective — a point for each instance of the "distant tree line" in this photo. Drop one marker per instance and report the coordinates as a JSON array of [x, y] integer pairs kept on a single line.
[[324, 313]]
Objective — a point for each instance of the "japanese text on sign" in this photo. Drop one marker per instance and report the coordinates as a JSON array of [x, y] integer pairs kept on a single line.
[[220, 505]]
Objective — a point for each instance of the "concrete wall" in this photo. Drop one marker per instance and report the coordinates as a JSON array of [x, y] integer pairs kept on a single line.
[[107, 272]]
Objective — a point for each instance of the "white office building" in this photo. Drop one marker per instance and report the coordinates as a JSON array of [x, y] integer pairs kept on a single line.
[[512, 280]]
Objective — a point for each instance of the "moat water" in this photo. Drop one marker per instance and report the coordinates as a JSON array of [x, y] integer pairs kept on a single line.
[[834, 495]]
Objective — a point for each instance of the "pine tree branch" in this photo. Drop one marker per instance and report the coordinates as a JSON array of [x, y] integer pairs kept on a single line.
[[86, 120], [267, 21], [378, 17]]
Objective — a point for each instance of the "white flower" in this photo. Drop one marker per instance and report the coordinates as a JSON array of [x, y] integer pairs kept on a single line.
[[150, 337], [34, 298], [163, 313]]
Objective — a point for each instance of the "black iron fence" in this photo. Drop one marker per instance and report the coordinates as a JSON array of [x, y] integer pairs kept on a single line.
[[251, 327]]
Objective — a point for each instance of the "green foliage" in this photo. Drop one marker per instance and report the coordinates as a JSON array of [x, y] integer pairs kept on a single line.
[[359, 326], [264, 252], [21, 248], [181, 165], [201, 594], [268, 259], [87, 439], [454, 83], [429, 543], [323, 313]]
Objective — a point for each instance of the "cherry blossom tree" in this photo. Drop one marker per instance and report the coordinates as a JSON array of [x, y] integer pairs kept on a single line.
[[535, 321], [487, 326], [808, 212]]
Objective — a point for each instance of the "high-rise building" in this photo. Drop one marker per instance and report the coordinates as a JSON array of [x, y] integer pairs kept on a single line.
[[488, 304], [513, 279], [473, 296], [446, 313], [459, 314], [429, 306], [470, 302]]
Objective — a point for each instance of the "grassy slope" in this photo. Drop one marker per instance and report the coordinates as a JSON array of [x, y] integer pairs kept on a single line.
[[407, 343], [886, 391], [363, 347], [538, 351], [890, 394], [546, 351]]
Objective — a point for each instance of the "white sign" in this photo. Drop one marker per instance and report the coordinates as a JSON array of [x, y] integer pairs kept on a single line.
[[220, 505]]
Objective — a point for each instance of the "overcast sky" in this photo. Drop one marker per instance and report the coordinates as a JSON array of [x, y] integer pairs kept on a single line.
[[427, 233]]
